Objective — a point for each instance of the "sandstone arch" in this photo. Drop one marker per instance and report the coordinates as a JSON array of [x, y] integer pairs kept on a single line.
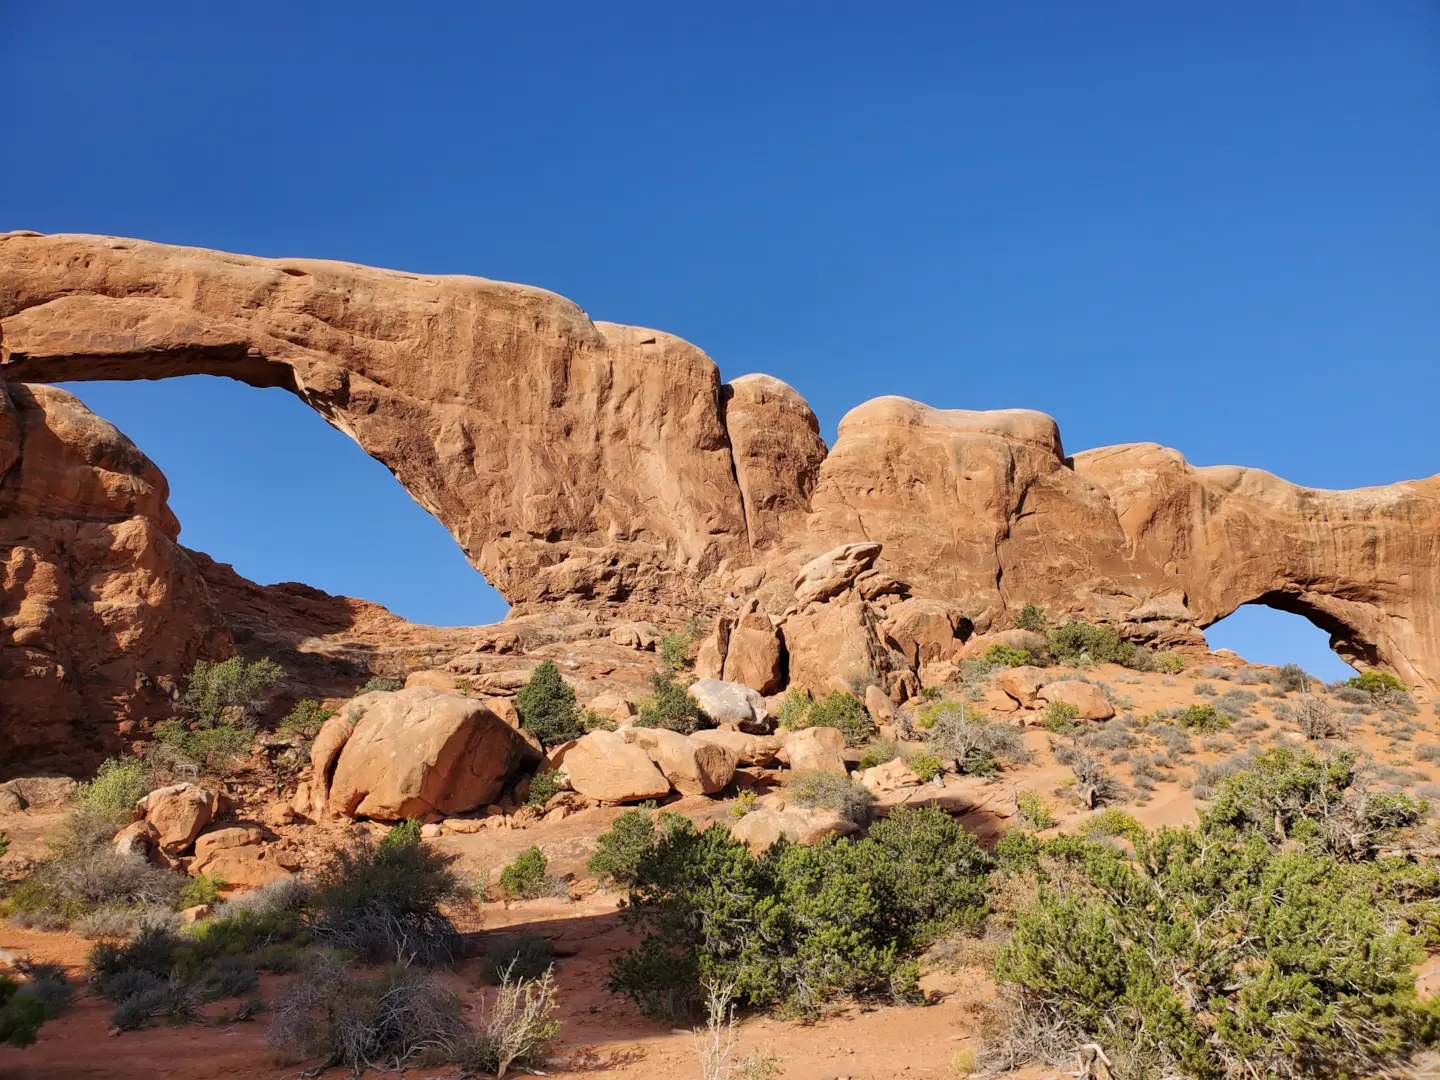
[[592, 464]]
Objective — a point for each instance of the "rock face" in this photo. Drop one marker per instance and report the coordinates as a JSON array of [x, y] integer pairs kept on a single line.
[[608, 467], [422, 753]]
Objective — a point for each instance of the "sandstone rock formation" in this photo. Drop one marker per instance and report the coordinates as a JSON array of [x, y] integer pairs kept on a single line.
[[693, 767], [604, 767], [608, 469]]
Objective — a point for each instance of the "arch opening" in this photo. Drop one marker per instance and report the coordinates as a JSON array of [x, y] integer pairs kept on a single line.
[[1278, 629], [260, 481]]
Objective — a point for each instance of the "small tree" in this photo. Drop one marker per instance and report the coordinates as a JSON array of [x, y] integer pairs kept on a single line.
[[670, 706], [229, 692], [846, 714], [1032, 618], [546, 705]]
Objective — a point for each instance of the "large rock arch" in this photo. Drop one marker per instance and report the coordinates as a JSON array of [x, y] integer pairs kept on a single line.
[[593, 464]]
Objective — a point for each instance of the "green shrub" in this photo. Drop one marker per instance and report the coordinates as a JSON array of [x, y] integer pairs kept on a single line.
[[1375, 682], [544, 786], [846, 714], [1257, 959], [743, 804], [976, 744], [20, 1014], [670, 706], [118, 785], [812, 789], [1291, 677], [1076, 640], [590, 720], [4, 843], [619, 849], [211, 750], [229, 692], [520, 956], [1033, 810], [546, 704], [794, 708], [1111, 821], [926, 766], [879, 751], [305, 719], [525, 878], [201, 889], [378, 683], [799, 926], [1006, 656], [1032, 618], [1169, 663], [1202, 717], [674, 650], [382, 901], [1059, 716]]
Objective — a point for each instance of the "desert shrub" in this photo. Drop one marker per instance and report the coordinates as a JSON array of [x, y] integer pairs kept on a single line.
[[546, 704], [1209, 776], [380, 1021], [83, 874], [379, 683], [1215, 671], [525, 878], [1142, 659], [1235, 703], [1032, 618], [744, 803], [794, 708], [200, 889], [1290, 677], [799, 926], [1258, 959], [211, 750], [230, 691], [382, 901], [1169, 663], [1111, 821], [1101, 645], [521, 956], [1202, 717], [1316, 718], [21, 1014], [812, 788], [670, 706], [544, 786], [590, 720], [118, 785], [1428, 752], [1351, 695], [926, 766], [846, 714], [618, 851], [1033, 810], [975, 743], [674, 650], [1205, 689], [1375, 682], [1059, 716], [305, 720], [516, 1030], [1006, 656], [1113, 735], [879, 751], [4, 844]]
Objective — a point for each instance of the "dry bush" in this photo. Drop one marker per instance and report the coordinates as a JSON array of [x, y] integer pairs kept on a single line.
[[717, 1043], [517, 1029], [1316, 718]]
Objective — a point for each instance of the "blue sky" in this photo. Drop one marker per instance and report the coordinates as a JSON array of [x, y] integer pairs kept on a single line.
[[1213, 226]]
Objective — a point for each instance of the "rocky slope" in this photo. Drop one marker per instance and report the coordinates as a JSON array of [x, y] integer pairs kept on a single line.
[[606, 472]]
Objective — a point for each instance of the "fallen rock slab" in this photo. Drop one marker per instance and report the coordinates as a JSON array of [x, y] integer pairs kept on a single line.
[[817, 748], [748, 749], [1021, 683], [693, 767], [604, 767]]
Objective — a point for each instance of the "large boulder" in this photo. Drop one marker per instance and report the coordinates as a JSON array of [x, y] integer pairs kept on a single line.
[[237, 858], [831, 574], [729, 702], [636, 635], [1022, 683], [748, 749], [754, 655], [693, 767], [923, 629], [888, 777], [817, 748], [1033, 643], [761, 827], [604, 767], [423, 753], [833, 644], [1087, 697], [178, 813]]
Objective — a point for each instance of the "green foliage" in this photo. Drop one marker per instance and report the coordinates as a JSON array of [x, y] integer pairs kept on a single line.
[[670, 706], [798, 926], [118, 785], [674, 650], [794, 708], [1033, 810], [926, 766], [546, 704], [201, 889], [1291, 677], [1112, 821], [229, 692], [305, 719], [382, 901], [1006, 656], [1375, 682], [845, 713], [813, 789], [525, 878], [743, 804], [1076, 640], [590, 720], [1221, 951], [1202, 717], [1032, 618], [1169, 663], [618, 850], [211, 750], [20, 1014], [4, 843], [882, 750], [544, 786], [520, 956], [377, 683], [1059, 716]]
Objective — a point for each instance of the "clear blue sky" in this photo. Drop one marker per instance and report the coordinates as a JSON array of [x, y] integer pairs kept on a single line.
[[1216, 225]]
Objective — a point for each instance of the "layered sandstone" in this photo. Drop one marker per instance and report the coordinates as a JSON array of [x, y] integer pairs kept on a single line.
[[609, 469]]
